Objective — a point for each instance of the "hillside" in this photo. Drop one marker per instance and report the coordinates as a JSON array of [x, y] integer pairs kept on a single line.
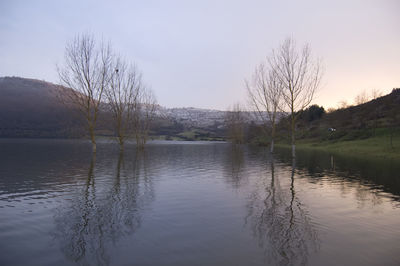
[[371, 129], [31, 108], [381, 112], [355, 122]]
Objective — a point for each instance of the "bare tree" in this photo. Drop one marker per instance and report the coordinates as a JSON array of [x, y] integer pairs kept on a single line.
[[86, 71], [122, 95], [331, 110], [265, 95], [343, 104], [145, 112], [300, 76], [361, 98], [234, 121], [376, 93]]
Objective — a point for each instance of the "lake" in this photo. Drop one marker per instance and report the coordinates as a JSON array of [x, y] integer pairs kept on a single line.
[[193, 203]]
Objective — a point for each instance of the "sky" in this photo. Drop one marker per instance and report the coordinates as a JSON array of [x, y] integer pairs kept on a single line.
[[198, 53]]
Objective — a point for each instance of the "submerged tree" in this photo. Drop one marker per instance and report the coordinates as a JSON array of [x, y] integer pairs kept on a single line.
[[86, 71], [122, 97], [300, 76], [265, 95], [235, 121], [144, 114]]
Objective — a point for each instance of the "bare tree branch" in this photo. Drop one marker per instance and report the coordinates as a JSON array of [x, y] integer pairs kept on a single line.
[[300, 76], [122, 95], [86, 71], [265, 95]]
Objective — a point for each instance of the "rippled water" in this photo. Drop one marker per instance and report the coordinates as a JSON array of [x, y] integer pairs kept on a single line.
[[193, 203]]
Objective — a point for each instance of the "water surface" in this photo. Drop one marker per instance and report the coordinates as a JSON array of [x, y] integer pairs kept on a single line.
[[193, 203]]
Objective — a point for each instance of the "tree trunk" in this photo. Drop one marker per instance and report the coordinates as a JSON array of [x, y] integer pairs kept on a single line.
[[121, 144], [120, 133], [138, 141], [293, 138], [272, 146], [94, 146], [272, 135], [121, 138], [293, 150], [93, 139]]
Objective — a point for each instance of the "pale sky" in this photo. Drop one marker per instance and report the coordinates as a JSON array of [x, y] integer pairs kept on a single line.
[[198, 53]]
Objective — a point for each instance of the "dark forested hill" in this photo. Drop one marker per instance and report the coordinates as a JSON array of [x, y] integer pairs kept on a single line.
[[30, 108], [355, 122], [380, 112]]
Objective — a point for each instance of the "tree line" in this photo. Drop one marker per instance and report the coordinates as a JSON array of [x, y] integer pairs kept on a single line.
[[95, 77]]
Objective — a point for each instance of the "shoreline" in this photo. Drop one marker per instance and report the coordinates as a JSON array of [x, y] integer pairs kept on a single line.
[[370, 148]]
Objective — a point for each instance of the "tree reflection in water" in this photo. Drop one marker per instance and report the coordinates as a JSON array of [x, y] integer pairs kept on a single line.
[[234, 164], [279, 220], [103, 211]]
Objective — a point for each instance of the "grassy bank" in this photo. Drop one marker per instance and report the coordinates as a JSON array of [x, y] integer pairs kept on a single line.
[[373, 147]]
